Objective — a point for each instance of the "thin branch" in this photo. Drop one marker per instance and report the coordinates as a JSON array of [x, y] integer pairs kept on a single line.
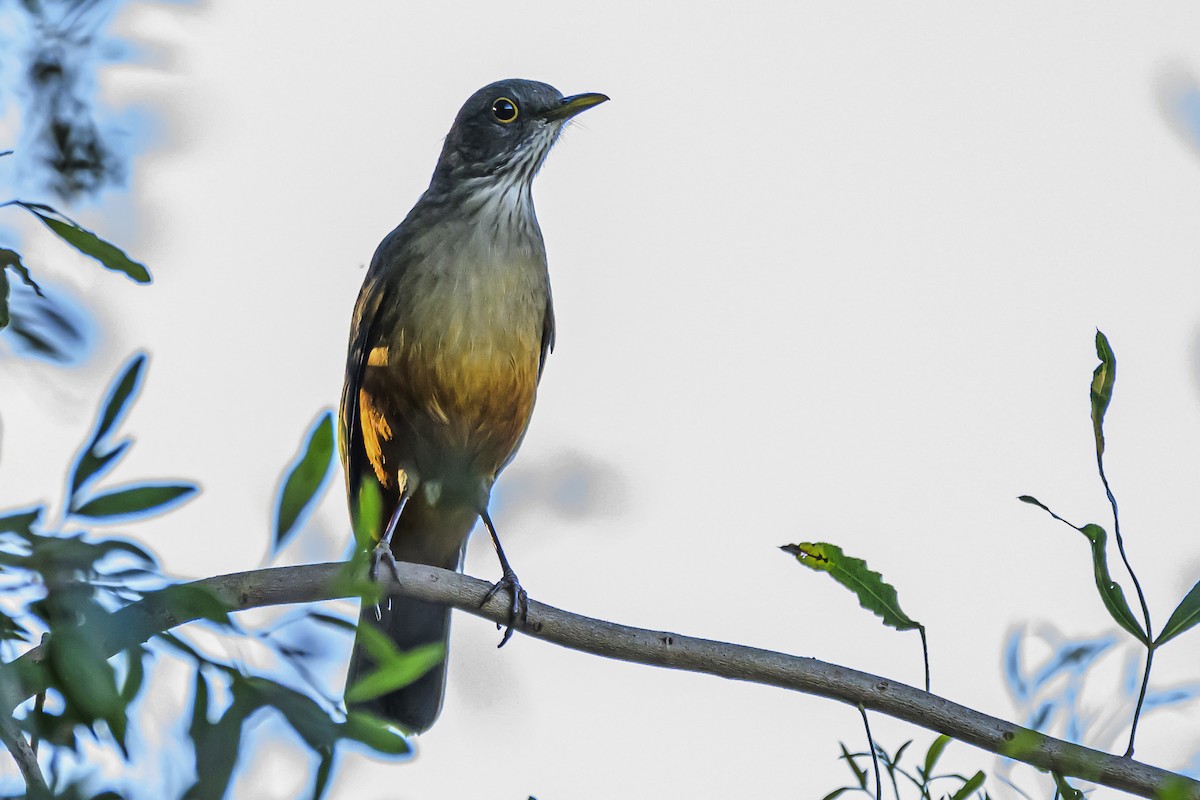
[[23, 754], [874, 754], [1112, 501], [26, 676]]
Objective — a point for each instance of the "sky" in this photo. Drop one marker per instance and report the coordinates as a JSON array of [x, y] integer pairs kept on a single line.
[[822, 272]]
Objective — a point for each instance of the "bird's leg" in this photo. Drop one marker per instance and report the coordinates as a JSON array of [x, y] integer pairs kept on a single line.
[[508, 580], [383, 548]]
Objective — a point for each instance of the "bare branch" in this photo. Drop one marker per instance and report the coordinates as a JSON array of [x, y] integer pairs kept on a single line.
[[305, 584], [23, 754]]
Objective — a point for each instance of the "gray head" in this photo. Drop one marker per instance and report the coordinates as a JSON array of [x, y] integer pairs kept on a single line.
[[504, 131]]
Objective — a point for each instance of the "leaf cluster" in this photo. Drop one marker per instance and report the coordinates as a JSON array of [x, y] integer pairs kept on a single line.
[[67, 582], [918, 780]]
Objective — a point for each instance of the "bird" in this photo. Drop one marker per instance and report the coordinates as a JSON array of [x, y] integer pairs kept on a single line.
[[448, 340]]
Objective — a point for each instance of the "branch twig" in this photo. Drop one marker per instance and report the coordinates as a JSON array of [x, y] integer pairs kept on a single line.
[[25, 677]]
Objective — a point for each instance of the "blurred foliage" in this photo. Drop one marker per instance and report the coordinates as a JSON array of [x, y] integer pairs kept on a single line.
[[35, 321], [305, 479], [1051, 691], [56, 52], [62, 583]]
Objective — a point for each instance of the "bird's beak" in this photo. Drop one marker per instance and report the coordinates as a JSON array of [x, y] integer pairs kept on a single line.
[[571, 106]]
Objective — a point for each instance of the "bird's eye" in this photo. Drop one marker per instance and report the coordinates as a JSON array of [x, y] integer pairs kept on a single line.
[[504, 110]]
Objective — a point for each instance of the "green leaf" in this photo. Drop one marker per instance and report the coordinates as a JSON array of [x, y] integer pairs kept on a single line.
[[199, 706], [836, 793], [306, 477], [1175, 787], [12, 260], [88, 243], [217, 745], [85, 678], [107, 547], [313, 725], [859, 774], [183, 647], [971, 785], [1065, 789], [11, 630], [142, 499], [92, 466], [374, 733], [324, 770], [393, 669], [122, 394], [1110, 592], [368, 508], [934, 753], [873, 593], [21, 522], [1103, 379], [335, 621], [135, 673], [1186, 615], [96, 457]]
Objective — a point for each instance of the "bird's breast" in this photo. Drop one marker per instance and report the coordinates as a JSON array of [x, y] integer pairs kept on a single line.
[[456, 380]]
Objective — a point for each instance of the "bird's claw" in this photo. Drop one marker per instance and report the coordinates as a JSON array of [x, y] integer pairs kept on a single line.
[[519, 610], [382, 553]]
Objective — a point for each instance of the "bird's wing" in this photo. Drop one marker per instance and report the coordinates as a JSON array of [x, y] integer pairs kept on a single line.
[[351, 444]]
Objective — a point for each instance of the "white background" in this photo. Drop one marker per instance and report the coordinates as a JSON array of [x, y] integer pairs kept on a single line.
[[822, 272]]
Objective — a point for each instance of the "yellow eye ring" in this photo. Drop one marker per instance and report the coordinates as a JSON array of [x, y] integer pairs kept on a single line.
[[504, 110]]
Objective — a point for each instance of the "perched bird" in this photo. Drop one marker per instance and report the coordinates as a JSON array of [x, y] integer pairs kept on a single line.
[[447, 344]]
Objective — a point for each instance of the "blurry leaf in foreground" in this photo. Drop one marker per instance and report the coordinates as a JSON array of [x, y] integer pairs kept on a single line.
[[393, 668], [188, 602], [307, 476], [85, 678], [21, 522], [10, 629], [368, 507], [88, 243], [98, 456], [52, 326], [217, 744], [11, 259], [136, 501], [375, 733]]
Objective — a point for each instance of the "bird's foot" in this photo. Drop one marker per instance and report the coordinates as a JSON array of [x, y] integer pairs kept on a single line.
[[382, 553], [519, 610]]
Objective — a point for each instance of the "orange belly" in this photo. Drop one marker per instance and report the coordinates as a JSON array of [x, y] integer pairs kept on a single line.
[[459, 406]]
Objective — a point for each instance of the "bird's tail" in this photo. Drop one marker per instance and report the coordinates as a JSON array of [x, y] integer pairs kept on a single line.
[[409, 623], [426, 536]]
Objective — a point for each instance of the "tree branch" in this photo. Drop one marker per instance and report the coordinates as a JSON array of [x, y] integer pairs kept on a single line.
[[23, 754], [137, 622]]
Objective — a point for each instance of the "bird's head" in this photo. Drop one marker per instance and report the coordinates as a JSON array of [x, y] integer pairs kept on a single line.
[[505, 130]]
